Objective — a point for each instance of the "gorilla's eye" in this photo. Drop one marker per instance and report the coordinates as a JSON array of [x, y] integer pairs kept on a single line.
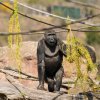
[[51, 34]]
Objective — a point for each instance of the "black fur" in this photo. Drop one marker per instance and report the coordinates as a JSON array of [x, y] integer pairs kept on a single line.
[[50, 57], [50, 52]]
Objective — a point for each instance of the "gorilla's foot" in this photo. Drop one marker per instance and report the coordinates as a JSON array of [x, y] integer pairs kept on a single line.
[[41, 87]]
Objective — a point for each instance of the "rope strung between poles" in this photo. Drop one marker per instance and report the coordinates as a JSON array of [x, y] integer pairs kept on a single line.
[[31, 31], [37, 32], [60, 26], [53, 15]]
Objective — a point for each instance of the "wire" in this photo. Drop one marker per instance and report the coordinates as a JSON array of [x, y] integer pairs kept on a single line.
[[53, 15]]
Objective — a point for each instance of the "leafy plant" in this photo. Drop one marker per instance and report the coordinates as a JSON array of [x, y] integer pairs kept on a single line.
[[76, 50], [14, 26], [93, 37]]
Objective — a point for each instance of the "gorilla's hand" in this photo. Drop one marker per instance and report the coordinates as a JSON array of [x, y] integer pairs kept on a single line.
[[41, 87]]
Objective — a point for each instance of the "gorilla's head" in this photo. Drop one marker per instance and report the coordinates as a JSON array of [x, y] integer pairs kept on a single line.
[[50, 37]]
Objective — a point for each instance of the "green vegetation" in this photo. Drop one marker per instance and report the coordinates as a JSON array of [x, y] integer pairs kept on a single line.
[[76, 50], [66, 11], [14, 26], [93, 37]]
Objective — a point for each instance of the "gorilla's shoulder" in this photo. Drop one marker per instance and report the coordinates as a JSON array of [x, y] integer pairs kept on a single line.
[[41, 41], [59, 41]]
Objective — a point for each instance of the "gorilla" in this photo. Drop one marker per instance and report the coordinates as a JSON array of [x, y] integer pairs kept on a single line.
[[50, 52], [50, 56]]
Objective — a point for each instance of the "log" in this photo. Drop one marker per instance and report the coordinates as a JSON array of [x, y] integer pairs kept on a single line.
[[16, 70], [15, 73]]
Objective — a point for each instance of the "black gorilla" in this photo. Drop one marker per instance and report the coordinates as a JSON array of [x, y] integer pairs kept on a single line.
[[50, 52], [50, 57]]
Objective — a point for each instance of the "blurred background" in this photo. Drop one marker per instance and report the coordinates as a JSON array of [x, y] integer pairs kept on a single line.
[[75, 9]]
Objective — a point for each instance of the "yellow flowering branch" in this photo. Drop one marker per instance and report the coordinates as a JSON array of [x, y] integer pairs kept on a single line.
[[76, 50], [14, 26]]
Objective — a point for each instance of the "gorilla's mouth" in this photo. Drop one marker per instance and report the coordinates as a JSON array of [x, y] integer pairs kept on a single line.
[[52, 42]]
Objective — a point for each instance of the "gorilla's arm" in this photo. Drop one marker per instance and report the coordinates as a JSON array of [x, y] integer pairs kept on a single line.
[[40, 51], [62, 47], [41, 65]]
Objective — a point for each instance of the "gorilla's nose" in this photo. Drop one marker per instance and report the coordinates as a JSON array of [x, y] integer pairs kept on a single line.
[[52, 39]]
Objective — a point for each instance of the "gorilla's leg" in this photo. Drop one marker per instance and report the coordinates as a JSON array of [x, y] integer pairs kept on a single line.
[[51, 84], [58, 79]]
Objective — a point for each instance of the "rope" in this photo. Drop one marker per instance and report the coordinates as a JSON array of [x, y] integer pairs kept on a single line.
[[53, 15], [60, 26], [40, 33]]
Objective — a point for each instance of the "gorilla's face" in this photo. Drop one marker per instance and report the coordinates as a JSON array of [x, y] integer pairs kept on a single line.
[[51, 39]]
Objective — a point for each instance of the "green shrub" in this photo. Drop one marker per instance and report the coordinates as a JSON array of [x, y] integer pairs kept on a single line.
[[93, 37]]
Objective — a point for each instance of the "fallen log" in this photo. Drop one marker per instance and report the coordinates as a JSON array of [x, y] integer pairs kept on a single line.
[[16, 70], [16, 74]]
